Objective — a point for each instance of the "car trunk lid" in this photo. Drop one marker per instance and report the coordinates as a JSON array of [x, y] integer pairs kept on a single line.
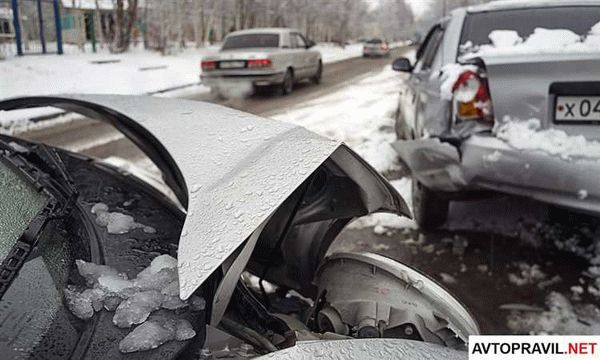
[[527, 86]]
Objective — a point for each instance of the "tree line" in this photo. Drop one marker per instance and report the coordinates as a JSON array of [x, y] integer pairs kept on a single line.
[[171, 25]]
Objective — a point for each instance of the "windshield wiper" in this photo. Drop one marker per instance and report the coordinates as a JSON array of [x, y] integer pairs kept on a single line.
[[43, 168]]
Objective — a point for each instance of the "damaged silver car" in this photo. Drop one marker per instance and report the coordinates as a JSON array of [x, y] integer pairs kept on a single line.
[[503, 98], [98, 264]]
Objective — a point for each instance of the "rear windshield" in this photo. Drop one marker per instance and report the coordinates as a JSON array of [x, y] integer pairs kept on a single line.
[[374, 41], [251, 41], [578, 19]]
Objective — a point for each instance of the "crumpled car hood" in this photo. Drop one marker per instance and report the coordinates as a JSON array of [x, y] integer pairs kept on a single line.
[[230, 169]]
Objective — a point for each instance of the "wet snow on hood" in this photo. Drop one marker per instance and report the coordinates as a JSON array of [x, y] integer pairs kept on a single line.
[[529, 135], [542, 41], [134, 300]]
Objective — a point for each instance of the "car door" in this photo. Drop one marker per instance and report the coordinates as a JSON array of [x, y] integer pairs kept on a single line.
[[423, 84], [307, 59]]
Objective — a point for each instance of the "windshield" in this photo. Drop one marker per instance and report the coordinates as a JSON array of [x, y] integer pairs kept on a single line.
[[374, 41], [578, 19], [251, 41], [19, 204]]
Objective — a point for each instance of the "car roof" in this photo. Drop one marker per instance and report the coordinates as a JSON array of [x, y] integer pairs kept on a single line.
[[521, 4], [263, 31]]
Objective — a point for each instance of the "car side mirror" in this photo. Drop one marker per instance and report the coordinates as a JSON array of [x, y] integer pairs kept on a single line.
[[310, 43], [402, 64]]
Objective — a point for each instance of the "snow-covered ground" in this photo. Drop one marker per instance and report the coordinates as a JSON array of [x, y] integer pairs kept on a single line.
[[133, 73]]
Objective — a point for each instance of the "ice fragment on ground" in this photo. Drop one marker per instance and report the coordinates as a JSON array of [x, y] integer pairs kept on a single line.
[[459, 245], [156, 332], [529, 274], [447, 278], [137, 308], [115, 222], [560, 318]]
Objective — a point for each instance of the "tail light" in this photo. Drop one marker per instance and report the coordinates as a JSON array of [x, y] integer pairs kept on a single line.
[[472, 99], [208, 65], [259, 63]]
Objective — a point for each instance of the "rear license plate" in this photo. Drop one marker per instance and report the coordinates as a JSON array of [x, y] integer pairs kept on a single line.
[[577, 108], [232, 64]]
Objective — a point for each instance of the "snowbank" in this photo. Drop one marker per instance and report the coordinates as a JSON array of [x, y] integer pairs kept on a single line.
[[134, 72], [332, 52]]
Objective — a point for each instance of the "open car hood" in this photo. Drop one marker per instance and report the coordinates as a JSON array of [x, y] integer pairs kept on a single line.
[[229, 169]]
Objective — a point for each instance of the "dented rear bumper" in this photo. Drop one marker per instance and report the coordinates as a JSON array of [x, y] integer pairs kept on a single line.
[[483, 162]]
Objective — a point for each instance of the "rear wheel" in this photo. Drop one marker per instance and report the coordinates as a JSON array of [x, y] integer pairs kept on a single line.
[[430, 209], [316, 79], [288, 83]]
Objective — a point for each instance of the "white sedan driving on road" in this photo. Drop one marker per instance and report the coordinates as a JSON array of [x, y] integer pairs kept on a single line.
[[263, 57]]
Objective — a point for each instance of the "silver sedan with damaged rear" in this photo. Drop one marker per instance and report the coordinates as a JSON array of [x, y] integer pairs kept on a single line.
[[262, 57], [504, 97]]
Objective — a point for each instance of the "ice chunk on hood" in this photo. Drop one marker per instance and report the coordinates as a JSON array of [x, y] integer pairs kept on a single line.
[[91, 272], [133, 299], [79, 305], [115, 222], [136, 309], [156, 332]]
